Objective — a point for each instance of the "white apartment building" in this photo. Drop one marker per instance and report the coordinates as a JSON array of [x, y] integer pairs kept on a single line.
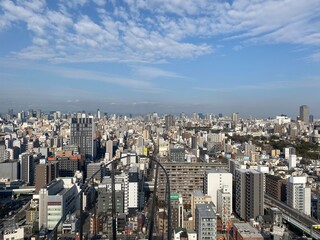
[[298, 194], [214, 180]]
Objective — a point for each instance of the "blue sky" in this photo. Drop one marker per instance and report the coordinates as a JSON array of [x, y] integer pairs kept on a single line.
[[259, 58]]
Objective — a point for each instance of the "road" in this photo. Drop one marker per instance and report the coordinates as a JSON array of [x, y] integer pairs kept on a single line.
[[295, 217]]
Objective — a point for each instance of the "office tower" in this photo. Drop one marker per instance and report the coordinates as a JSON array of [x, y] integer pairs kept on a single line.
[[45, 173], [304, 114], [311, 118], [276, 187], [27, 168], [194, 142], [249, 193], [184, 178], [224, 206], [214, 180], [169, 119], [234, 117], [98, 113], [82, 135], [121, 184], [299, 194], [55, 200], [206, 222], [105, 200], [244, 231], [109, 150], [133, 189]]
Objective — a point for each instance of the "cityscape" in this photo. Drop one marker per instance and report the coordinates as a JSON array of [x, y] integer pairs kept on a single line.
[[159, 119], [97, 176]]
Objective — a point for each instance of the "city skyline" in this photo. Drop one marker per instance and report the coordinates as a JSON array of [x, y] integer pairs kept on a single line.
[[259, 59]]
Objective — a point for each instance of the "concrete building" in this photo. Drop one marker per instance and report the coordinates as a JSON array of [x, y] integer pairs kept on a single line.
[[184, 178], [304, 114], [176, 211], [276, 187], [206, 222], [14, 234], [56, 200], [45, 173], [198, 197], [224, 206], [244, 231], [92, 168], [82, 134], [133, 189], [292, 161], [288, 152], [10, 170], [27, 167], [249, 193], [299, 194], [3, 152], [169, 120], [176, 154], [214, 180]]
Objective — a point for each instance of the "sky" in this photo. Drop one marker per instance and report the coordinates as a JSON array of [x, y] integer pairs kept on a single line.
[[256, 57]]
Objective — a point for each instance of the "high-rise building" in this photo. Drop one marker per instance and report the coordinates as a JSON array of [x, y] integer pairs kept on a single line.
[[298, 194], [3, 152], [27, 168], [109, 149], [184, 178], [249, 193], [215, 180], [45, 173], [276, 187], [169, 119], [176, 211], [234, 117], [304, 114], [224, 206], [82, 135], [197, 197], [133, 189], [206, 222]]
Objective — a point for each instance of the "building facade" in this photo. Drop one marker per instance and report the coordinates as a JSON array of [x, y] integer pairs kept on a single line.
[[249, 194]]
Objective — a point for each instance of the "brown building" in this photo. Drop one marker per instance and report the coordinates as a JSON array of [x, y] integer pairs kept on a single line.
[[162, 222], [276, 187], [69, 162], [45, 173], [184, 178]]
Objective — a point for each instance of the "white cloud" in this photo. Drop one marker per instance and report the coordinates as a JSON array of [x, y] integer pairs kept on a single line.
[[151, 31], [153, 73]]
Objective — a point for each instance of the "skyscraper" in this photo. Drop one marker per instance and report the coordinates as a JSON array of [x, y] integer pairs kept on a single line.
[[169, 121], [304, 114], [249, 193], [82, 135], [27, 168]]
